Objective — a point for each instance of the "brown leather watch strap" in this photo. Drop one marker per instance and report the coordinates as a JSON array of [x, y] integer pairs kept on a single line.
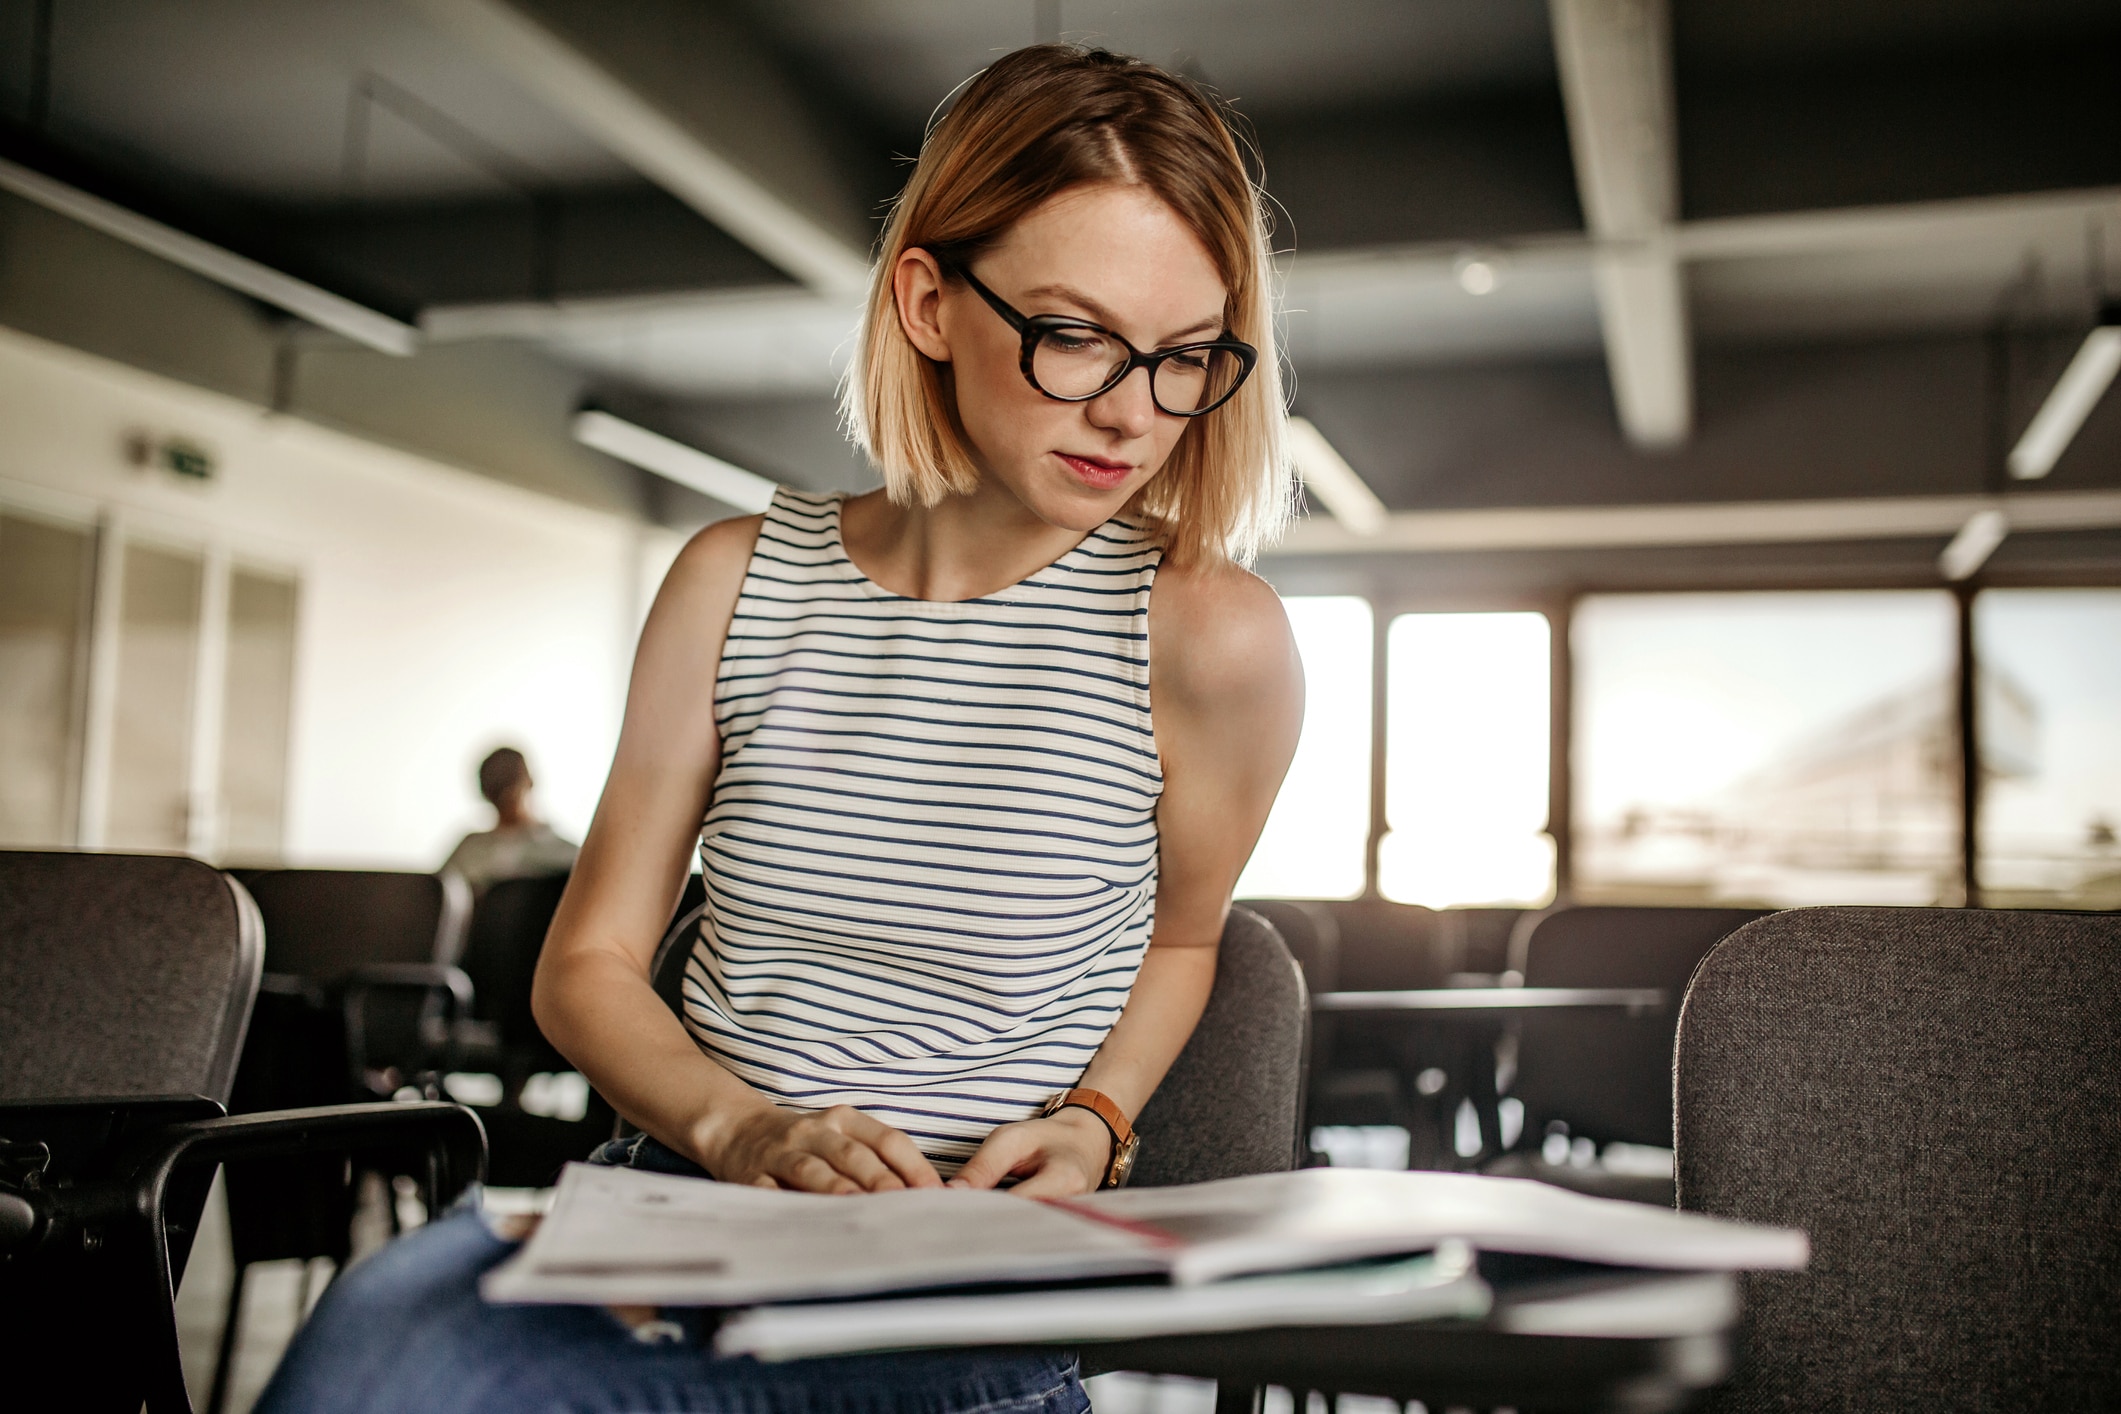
[[1125, 1142], [1099, 1104]]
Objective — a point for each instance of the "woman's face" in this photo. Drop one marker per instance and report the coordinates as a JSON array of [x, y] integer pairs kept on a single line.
[[1114, 255]]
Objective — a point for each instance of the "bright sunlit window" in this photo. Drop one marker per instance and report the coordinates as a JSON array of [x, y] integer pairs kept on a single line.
[[1313, 844], [2050, 830], [1774, 749], [1466, 759]]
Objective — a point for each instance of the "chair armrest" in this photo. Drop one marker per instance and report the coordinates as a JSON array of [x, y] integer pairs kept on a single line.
[[450, 1135]]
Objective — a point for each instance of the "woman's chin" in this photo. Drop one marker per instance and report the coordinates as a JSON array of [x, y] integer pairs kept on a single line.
[[1067, 503]]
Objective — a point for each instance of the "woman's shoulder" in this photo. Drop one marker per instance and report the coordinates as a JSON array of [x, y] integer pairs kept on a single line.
[[713, 562], [701, 588], [1217, 630]]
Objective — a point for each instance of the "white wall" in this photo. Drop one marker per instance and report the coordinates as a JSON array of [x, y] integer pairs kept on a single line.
[[442, 613]]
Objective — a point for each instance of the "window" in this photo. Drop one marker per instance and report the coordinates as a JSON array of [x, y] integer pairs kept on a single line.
[[1315, 839], [2049, 723], [1772, 748], [1468, 722]]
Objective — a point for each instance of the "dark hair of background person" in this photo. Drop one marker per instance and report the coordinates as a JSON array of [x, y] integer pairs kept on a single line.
[[503, 770]]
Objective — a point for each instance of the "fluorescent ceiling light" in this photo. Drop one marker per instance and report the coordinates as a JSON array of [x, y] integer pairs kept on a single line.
[[1719, 523], [1327, 475], [320, 307], [2076, 393], [674, 461], [1976, 541]]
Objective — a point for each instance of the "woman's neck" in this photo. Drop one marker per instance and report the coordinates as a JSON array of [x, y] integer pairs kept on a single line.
[[961, 548]]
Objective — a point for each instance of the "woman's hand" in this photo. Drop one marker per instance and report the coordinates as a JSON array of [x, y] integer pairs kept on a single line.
[[1056, 1157], [840, 1150]]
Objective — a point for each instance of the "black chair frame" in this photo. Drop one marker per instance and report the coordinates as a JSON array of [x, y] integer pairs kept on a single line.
[[109, 1186]]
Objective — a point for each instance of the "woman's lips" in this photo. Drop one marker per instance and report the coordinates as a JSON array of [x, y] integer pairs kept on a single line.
[[1102, 475]]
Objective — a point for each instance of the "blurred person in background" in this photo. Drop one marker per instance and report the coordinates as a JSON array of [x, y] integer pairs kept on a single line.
[[520, 845]]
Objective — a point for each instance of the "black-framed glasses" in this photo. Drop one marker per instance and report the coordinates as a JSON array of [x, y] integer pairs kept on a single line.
[[1072, 360]]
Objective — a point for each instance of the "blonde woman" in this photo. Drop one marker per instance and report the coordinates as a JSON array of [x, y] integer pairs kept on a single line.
[[972, 762]]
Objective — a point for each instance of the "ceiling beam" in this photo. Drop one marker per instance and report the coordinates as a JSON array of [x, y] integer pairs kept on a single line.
[[1715, 523], [696, 105], [1616, 81]]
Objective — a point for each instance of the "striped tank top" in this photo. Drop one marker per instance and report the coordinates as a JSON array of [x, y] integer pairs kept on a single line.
[[930, 855]]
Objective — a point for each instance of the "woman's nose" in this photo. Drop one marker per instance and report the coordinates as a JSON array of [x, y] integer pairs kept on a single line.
[[1127, 408]]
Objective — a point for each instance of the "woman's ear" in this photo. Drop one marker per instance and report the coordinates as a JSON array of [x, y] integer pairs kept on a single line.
[[917, 288]]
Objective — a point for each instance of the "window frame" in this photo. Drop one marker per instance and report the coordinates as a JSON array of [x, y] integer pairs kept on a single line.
[[1388, 601]]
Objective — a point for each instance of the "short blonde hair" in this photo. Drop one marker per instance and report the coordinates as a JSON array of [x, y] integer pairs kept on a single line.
[[1036, 123]]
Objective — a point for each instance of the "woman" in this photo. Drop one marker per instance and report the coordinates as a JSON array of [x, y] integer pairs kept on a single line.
[[957, 872]]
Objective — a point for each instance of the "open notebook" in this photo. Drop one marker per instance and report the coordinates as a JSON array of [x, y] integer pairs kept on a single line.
[[616, 1236]]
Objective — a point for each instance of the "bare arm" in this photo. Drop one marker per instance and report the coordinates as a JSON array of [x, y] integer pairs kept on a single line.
[[1227, 690], [593, 997]]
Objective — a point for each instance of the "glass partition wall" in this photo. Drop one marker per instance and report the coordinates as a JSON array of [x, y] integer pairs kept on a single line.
[[146, 689], [47, 582]]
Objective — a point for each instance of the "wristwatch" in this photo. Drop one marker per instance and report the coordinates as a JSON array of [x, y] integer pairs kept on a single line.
[[1124, 1140]]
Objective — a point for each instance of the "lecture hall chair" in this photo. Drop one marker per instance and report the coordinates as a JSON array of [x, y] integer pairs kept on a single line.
[[130, 985]]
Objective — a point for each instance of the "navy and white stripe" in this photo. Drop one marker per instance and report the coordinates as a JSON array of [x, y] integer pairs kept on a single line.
[[931, 852]]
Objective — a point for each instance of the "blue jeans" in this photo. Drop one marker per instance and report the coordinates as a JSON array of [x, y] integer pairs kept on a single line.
[[406, 1332]]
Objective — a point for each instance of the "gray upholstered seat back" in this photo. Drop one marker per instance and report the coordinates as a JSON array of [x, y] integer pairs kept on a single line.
[[1935, 1095], [1233, 1100], [122, 976]]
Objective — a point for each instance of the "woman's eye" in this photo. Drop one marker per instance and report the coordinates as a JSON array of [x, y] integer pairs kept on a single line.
[[1191, 362], [1069, 343]]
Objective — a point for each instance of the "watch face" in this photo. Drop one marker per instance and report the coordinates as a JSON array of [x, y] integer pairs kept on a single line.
[[1123, 1162]]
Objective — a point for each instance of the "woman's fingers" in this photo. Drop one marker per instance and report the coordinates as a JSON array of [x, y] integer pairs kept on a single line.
[[907, 1163], [856, 1160], [812, 1174], [1057, 1177], [840, 1150], [1005, 1149]]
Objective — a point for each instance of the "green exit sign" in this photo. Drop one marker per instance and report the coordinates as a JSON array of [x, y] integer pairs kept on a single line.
[[188, 459]]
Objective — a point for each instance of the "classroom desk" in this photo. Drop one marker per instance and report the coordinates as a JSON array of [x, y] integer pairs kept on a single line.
[[1652, 1341], [1474, 1016]]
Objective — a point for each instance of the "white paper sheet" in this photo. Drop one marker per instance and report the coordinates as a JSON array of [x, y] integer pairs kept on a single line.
[[1271, 1222], [1434, 1287], [620, 1237]]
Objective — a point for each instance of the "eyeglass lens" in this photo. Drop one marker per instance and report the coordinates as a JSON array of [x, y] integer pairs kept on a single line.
[[1080, 362]]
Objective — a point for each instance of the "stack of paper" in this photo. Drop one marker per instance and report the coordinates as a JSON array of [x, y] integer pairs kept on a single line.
[[1318, 1246]]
